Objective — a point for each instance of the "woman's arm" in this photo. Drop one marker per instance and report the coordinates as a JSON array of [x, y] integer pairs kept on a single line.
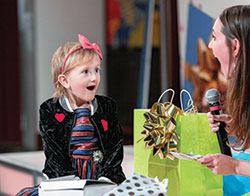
[[243, 168], [221, 164]]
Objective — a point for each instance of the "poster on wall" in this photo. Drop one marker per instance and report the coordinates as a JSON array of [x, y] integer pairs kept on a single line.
[[126, 23], [201, 68]]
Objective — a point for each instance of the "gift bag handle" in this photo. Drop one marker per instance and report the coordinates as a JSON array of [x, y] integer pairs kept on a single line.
[[190, 98], [170, 89]]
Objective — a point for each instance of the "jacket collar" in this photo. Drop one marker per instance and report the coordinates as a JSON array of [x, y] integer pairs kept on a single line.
[[64, 102]]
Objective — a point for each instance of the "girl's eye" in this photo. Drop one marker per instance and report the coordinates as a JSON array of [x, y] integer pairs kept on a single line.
[[97, 70], [213, 37], [85, 72]]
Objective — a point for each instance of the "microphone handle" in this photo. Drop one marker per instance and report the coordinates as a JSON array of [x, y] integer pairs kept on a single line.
[[222, 137]]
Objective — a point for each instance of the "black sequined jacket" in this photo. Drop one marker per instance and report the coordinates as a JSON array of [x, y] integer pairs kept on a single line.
[[56, 123]]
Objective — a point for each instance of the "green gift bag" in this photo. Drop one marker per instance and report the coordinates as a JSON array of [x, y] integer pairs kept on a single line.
[[185, 177], [147, 164]]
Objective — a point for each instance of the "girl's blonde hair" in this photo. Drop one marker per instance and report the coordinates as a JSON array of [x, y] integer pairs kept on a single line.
[[59, 58]]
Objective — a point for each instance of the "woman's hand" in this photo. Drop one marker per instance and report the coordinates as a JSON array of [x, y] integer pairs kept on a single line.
[[219, 164], [214, 120]]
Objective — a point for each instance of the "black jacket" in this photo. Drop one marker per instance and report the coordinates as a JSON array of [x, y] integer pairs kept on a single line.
[[56, 137]]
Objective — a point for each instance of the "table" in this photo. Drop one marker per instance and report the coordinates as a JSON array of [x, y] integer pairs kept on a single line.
[[24, 169]]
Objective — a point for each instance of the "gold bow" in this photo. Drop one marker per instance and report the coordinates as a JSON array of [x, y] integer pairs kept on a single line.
[[159, 129]]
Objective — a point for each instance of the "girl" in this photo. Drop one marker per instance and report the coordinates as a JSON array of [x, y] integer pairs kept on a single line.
[[80, 131]]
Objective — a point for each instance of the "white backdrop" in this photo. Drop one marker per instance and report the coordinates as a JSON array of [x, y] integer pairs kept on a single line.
[[60, 21]]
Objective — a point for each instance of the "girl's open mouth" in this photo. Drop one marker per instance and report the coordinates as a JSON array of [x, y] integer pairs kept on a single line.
[[91, 88]]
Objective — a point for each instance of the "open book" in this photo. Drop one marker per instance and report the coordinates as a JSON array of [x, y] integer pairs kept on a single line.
[[71, 185]]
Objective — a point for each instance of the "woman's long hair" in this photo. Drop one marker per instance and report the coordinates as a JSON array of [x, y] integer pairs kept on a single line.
[[236, 24]]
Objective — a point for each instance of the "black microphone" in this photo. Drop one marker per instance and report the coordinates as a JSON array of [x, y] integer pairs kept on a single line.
[[213, 98]]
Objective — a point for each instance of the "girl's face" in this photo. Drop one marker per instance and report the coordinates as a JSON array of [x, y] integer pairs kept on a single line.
[[221, 50], [83, 81]]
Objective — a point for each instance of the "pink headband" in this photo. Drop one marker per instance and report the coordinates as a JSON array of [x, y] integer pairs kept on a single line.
[[85, 44]]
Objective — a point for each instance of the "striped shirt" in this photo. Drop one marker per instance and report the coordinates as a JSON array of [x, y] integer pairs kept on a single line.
[[83, 144]]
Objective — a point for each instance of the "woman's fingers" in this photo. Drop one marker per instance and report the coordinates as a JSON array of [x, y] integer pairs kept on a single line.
[[222, 118], [214, 120], [215, 129], [214, 125]]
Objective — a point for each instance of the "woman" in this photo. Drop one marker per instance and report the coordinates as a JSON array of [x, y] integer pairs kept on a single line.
[[231, 46]]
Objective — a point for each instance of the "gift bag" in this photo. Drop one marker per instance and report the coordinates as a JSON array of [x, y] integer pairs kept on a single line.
[[196, 137], [185, 177], [140, 185]]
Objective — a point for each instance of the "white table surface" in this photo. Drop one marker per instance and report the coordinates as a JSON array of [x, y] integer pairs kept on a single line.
[[34, 160]]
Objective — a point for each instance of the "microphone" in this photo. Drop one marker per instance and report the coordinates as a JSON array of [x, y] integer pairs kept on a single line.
[[213, 98]]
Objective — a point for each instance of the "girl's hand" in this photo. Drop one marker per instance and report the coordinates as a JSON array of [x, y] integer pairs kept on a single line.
[[219, 164], [214, 120]]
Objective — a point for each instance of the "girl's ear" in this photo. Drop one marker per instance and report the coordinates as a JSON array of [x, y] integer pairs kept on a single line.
[[235, 47], [63, 80]]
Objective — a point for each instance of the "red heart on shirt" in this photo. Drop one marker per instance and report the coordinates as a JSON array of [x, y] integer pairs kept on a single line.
[[59, 117], [105, 125]]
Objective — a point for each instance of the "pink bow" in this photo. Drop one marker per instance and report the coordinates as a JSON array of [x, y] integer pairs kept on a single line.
[[88, 46], [85, 44]]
